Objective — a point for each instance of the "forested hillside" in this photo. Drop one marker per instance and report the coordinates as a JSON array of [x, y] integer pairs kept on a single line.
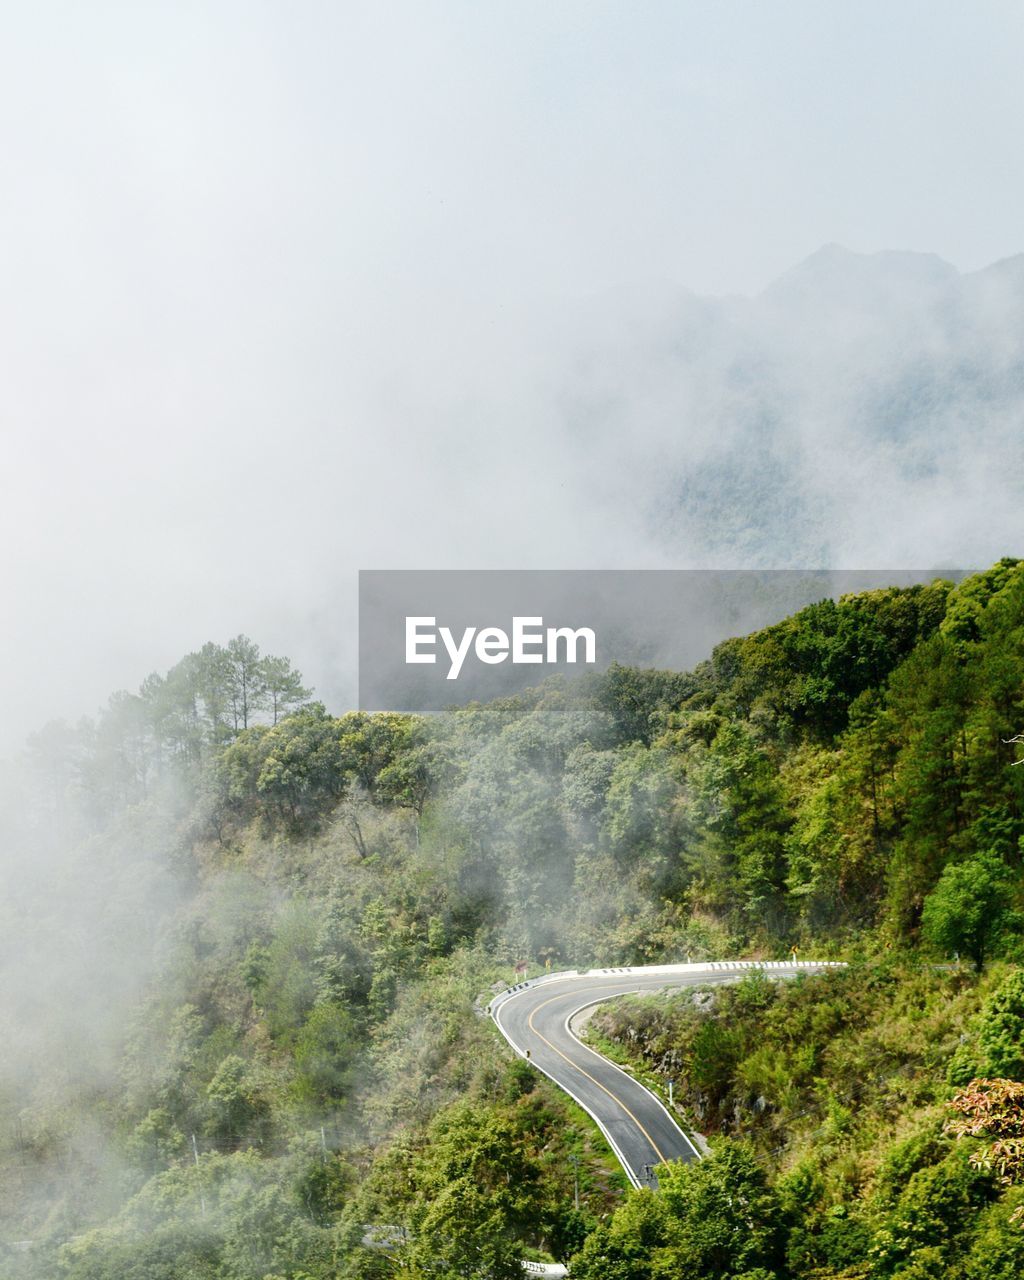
[[243, 941]]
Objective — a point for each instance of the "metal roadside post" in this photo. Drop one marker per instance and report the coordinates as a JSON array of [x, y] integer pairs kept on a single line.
[[574, 1160]]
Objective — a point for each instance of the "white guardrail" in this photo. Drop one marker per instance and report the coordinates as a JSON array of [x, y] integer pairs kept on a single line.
[[558, 1269], [669, 970]]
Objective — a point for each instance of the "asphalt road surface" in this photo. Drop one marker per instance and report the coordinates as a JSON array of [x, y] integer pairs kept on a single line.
[[534, 1018]]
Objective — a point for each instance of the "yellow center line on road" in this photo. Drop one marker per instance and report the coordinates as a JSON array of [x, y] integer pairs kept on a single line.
[[614, 1098]]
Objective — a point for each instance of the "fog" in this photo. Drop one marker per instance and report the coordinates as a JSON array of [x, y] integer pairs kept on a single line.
[[286, 294], [290, 291]]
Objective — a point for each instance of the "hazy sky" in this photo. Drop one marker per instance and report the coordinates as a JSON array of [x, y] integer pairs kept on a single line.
[[278, 283]]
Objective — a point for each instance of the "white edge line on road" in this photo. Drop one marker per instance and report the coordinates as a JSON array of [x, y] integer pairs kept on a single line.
[[579, 1102], [615, 1066], [695, 971]]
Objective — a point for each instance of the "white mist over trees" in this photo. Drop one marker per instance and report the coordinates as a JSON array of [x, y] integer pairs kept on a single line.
[[864, 411], [95, 823], [286, 299], [238, 986], [290, 294], [204, 701]]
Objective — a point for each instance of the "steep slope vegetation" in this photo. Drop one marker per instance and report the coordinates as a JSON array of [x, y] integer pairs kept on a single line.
[[307, 907]]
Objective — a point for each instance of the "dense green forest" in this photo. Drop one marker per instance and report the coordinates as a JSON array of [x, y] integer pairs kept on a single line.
[[297, 1080]]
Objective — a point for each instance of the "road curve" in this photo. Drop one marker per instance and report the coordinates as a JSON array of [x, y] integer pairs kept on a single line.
[[534, 1018]]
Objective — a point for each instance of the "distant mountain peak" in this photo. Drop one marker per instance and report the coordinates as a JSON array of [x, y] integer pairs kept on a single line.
[[835, 273], [1010, 269]]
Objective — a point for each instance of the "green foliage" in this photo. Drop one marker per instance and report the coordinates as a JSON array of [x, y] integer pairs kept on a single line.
[[641, 811], [172, 728], [237, 1100], [714, 1218], [291, 772], [804, 673], [967, 603], [730, 1220], [810, 1059], [325, 1050], [231, 1218], [637, 702], [287, 990], [741, 807], [473, 1199], [968, 910], [922, 1230], [997, 1250], [996, 1047], [633, 1245], [155, 1141], [842, 781]]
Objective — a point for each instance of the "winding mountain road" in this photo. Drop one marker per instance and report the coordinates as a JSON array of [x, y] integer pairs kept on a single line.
[[535, 1017]]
